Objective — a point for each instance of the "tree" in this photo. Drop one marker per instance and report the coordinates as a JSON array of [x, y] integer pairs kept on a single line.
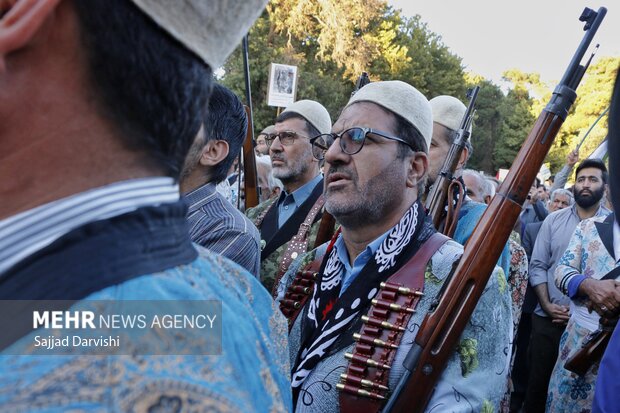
[[331, 42], [517, 121], [593, 97], [487, 125]]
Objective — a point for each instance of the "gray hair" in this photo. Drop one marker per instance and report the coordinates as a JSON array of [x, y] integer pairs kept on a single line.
[[490, 184], [485, 186], [562, 191]]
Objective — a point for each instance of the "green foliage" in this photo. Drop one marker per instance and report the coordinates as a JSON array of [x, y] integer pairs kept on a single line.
[[487, 125], [331, 42], [593, 97], [517, 122]]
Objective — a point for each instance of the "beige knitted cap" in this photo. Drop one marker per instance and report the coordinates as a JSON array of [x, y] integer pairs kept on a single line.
[[400, 98], [448, 111], [313, 112], [210, 28]]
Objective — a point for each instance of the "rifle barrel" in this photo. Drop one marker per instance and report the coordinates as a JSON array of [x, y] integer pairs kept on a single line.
[[444, 324]]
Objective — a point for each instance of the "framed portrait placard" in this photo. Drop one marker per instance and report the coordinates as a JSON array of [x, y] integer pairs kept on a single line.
[[282, 85]]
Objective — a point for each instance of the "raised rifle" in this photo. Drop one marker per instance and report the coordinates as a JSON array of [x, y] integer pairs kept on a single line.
[[450, 312], [439, 196], [594, 345], [592, 348], [250, 183], [362, 81]]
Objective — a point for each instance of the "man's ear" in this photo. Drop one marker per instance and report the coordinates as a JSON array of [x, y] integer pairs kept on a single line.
[[214, 152], [463, 158], [417, 169], [21, 20]]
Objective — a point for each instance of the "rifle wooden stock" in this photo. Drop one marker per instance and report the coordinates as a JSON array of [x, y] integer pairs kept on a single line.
[[592, 349], [327, 228], [250, 183], [450, 313]]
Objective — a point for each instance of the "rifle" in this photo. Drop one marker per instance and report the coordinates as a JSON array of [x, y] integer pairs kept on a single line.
[[592, 348], [249, 161], [452, 308], [362, 81], [438, 197]]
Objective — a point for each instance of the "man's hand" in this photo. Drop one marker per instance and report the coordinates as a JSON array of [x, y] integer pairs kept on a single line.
[[572, 158], [557, 313], [604, 295]]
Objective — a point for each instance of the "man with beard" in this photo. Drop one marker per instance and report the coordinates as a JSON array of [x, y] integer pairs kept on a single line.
[[589, 257], [552, 312], [297, 211], [448, 113], [350, 335]]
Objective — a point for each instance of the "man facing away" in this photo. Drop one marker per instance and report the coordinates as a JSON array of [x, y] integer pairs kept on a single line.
[[588, 258], [298, 209], [375, 172], [214, 222], [102, 100], [552, 312]]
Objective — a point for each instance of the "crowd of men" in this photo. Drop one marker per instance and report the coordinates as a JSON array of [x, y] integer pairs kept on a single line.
[[324, 285]]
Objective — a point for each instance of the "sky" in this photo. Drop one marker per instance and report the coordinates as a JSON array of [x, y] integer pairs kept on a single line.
[[492, 36]]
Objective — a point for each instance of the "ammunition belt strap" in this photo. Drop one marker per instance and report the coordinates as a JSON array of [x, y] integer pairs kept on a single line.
[[364, 385], [298, 244], [299, 291]]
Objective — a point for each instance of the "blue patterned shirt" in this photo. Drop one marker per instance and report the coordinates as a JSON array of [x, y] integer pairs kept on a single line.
[[220, 227]]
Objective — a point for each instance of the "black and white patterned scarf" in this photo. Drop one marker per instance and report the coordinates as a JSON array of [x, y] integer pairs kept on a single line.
[[329, 316]]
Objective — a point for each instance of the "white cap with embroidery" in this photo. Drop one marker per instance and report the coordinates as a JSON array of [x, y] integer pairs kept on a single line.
[[313, 112], [211, 29], [400, 98], [448, 111]]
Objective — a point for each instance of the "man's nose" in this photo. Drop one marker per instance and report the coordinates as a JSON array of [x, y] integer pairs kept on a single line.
[[276, 145]]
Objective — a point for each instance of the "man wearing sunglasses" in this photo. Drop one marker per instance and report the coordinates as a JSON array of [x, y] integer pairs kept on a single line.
[[351, 324], [296, 212]]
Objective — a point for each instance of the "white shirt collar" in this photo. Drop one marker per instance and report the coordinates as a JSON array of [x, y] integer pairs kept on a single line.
[[23, 234]]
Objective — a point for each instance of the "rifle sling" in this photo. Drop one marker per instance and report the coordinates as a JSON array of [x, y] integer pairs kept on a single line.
[[275, 237], [298, 244]]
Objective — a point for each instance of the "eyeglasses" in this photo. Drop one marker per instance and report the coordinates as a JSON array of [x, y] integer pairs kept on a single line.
[[287, 138], [351, 141]]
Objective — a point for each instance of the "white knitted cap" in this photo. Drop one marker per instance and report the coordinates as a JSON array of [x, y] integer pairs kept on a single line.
[[211, 29], [313, 112], [400, 98], [448, 111], [268, 130]]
